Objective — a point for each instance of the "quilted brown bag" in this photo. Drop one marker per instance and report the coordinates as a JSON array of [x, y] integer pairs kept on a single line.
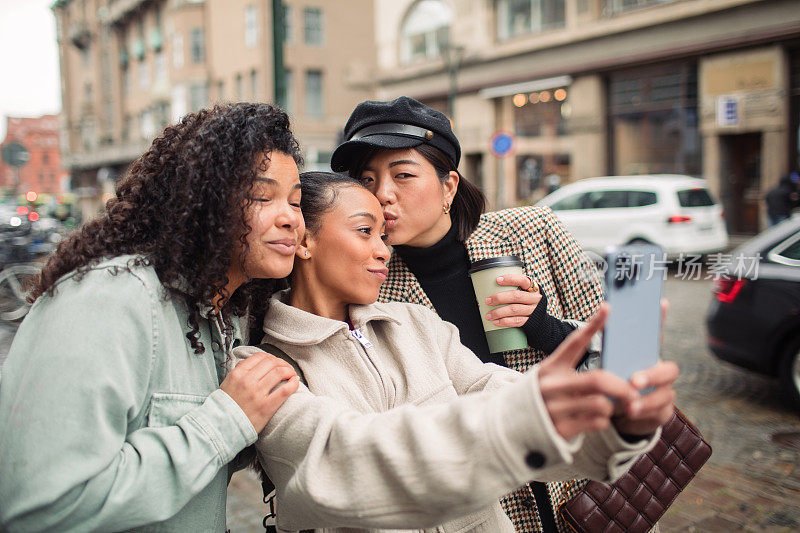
[[637, 500]]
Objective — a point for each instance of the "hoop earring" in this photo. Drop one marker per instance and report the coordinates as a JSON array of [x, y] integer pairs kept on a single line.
[[446, 208]]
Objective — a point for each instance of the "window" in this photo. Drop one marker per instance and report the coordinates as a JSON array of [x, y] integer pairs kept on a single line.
[[787, 252], [177, 50], [239, 88], [198, 45], [612, 7], [288, 24], [126, 81], [425, 31], [541, 113], [313, 26], [607, 199], [576, 201], [179, 101], [254, 85], [147, 125], [521, 17], [641, 198], [144, 74], [288, 102], [653, 120], [314, 103], [160, 63], [198, 96], [695, 198], [251, 26], [220, 90]]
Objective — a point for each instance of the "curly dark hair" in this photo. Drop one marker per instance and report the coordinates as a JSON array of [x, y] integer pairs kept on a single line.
[[181, 209]]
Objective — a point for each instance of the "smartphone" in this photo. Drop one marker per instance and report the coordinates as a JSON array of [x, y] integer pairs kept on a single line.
[[634, 281]]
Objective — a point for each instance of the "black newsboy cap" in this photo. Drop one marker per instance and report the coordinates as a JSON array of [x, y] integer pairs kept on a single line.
[[399, 123]]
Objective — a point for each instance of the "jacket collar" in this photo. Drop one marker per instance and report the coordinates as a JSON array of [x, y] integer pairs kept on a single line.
[[490, 239], [295, 326]]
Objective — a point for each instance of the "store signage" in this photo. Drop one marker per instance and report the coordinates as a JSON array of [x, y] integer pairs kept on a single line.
[[728, 111]]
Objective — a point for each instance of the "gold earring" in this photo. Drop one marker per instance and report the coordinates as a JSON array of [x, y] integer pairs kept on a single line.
[[446, 207]]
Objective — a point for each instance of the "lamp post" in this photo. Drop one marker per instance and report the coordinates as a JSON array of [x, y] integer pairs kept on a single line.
[[278, 37], [452, 54]]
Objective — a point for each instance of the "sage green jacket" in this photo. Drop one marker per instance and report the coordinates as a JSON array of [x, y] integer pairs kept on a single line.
[[108, 419]]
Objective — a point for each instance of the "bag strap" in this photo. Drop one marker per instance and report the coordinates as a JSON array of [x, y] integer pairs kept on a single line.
[[280, 354], [266, 484]]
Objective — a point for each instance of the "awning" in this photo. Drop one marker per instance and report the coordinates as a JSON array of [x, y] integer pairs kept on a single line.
[[525, 87]]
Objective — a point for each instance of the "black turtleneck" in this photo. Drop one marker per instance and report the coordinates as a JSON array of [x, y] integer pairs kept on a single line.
[[442, 270]]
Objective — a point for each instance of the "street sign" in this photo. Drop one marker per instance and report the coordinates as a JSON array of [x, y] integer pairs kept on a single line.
[[15, 154], [502, 144]]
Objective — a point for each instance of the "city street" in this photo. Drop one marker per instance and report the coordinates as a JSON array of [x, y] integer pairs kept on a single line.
[[751, 482]]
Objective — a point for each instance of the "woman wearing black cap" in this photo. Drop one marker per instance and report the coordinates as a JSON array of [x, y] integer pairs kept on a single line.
[[407, 155]]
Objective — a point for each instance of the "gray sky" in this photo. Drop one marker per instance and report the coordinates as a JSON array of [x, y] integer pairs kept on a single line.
[[29, 83]]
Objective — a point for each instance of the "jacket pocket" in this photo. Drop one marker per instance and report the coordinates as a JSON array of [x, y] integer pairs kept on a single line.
[[167, 407]]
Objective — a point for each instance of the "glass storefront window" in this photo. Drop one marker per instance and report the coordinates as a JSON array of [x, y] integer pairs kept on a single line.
[[543, 113], [653, 120], [521, 17]]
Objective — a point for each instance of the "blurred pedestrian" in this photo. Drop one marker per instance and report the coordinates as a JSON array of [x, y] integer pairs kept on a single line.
[[119, 409], [784, 197], [407, 155]]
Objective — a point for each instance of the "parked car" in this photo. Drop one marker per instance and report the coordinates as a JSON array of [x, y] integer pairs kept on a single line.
[[675, 212], [754, 318]]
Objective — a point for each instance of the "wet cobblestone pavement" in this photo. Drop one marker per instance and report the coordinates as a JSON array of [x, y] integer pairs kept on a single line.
[[752, 480]]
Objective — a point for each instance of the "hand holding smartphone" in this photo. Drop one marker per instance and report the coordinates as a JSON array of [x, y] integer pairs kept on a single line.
[[632, 333]]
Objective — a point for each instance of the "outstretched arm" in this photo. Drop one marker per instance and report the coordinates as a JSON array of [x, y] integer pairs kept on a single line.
[[418, 466]]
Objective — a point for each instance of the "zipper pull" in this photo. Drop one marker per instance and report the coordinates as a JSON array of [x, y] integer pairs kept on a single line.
[[361, 338]]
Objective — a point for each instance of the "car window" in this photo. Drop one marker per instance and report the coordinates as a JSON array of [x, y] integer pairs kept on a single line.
[[608, 199], [695, 198], [787, 252], [574, 201], [641, 198]]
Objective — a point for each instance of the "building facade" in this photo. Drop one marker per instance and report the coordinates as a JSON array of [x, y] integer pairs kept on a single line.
[[130, 67], [708, 88], [43, 172]]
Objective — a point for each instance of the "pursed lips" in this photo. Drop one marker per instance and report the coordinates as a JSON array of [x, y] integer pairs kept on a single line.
[[380, 272], [391, 219], [284, 246]]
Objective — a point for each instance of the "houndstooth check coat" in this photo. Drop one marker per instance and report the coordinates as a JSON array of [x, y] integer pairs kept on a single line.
[[552, 258]]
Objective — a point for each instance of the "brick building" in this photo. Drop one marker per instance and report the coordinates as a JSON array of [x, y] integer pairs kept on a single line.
[[43, 172]]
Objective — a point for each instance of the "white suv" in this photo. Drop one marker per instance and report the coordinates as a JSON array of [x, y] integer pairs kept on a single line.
[[676, 212]]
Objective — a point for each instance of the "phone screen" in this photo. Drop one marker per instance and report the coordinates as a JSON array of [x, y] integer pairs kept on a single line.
[[632, 333]]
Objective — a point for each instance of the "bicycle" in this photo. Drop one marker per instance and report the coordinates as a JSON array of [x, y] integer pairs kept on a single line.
[[14, 281]]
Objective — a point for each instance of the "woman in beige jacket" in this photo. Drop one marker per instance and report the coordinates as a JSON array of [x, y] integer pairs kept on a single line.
[[401, 426]]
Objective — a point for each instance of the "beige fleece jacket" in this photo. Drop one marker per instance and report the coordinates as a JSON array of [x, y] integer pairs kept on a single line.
[[402, 427]]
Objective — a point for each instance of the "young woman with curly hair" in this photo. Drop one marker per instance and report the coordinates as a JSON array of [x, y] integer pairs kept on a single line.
[[118, 406]]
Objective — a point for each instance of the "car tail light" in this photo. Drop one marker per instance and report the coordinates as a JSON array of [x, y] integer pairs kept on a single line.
[[727, 288], [677, 219]]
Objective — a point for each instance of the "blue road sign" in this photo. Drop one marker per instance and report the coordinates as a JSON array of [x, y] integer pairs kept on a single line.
[[502, 144]]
